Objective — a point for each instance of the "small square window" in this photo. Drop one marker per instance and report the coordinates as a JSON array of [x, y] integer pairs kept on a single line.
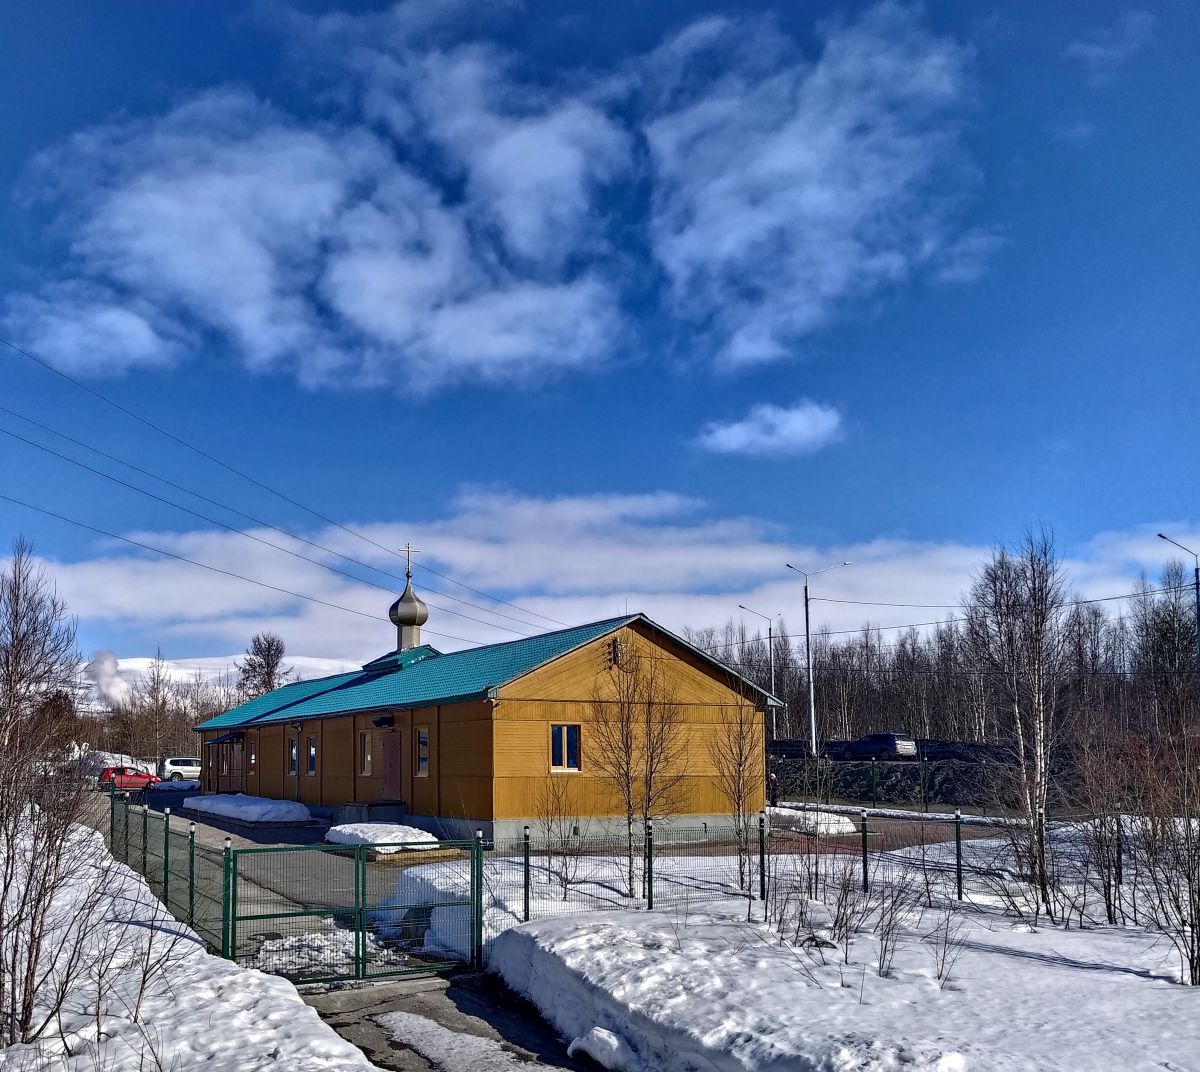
[[422, 750], [564, 747], [312, 755], [364, 752]]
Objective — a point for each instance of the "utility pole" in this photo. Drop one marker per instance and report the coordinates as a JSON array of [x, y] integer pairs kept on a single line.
[[812, 696], [1196, 557], [771, 656]]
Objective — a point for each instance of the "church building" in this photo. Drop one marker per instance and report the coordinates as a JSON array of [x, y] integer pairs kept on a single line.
[[485, 737]]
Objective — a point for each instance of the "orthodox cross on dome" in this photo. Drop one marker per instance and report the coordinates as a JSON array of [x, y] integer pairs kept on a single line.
[[408, 613], [409, 551]]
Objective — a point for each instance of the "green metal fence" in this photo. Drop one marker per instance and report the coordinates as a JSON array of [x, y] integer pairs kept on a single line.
[[312, 913]]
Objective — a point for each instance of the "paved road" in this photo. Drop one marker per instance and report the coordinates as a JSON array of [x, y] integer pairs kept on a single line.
[[475, 1006]]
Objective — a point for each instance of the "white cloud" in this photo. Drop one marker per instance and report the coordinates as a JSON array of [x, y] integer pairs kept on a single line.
[[1106, 50], [787, 189], [573, 559], [770, 431], [308, 247], [441, 214]]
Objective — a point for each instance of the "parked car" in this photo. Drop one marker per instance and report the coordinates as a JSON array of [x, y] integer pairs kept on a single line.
[[881, 746], [177, 768], [127, 778]]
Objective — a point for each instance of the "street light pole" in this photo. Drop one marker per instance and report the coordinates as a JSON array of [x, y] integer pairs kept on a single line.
[[1196, 557], [771, 656], [808, 670]]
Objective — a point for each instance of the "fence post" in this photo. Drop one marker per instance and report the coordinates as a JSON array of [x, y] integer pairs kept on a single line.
[[112, 815], [526, 874], [762, 856], [650, 864], [125, 826], [958, 851], [145, 827], [865, 880], [360, 936], [874, 782], [166, 883], [233, 905], [477, 911], [191, 874], [225, 899]]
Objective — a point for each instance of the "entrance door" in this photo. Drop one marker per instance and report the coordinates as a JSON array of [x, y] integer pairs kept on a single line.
[[236, 768], [392, 753]]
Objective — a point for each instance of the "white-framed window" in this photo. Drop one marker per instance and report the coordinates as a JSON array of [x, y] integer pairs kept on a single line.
[[421, 747], [564, 747], [312, 755], [364, 752]]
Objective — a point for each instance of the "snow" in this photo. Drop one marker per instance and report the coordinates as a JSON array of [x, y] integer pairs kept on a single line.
[[914, 815], [318, 954], [198, 1012], [596, 883], [448, 1049], [810, 821], [383, 837], [680, 990], [250, 809], [93, 760]]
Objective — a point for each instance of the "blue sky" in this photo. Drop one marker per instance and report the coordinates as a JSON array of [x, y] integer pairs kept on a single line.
[[596, 305]]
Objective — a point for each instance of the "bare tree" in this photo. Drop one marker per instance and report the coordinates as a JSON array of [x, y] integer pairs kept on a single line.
[[262, 670], [1017, 624], [561, 832], [736, 752], [639, 743]]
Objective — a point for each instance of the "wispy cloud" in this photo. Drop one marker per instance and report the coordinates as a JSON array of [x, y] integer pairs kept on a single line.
[[1106, 50], [441, 215], [770, 431], [787, 189], [573, 558]]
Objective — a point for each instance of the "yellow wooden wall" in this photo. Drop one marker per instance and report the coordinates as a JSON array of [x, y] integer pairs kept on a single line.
[[564, 692], [458, 782]]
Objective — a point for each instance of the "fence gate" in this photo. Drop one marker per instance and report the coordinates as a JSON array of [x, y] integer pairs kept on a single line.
[[317, 913]]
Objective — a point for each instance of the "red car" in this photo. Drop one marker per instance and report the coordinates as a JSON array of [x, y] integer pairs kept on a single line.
[[127, 778]]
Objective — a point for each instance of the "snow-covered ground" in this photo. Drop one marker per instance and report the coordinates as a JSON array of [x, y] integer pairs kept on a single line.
[[250, 809], [705, 989], [146, 995], [559, 886], [386, 837], [811, 821]]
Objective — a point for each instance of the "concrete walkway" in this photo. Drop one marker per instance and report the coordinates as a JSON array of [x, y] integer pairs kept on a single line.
[[467, 1004]]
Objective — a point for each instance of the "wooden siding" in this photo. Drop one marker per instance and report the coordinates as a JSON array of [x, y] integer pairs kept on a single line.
[[491, 759], [566, 691]]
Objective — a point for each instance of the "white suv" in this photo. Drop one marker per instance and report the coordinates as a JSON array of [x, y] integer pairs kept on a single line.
[[176, 768]]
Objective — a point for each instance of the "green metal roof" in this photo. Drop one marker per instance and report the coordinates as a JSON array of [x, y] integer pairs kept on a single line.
[[421, 677], [425, 677]]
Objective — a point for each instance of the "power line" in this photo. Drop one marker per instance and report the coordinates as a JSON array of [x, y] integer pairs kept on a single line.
[[240, 532], [240, 513], [213, 569], [247, 477]]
